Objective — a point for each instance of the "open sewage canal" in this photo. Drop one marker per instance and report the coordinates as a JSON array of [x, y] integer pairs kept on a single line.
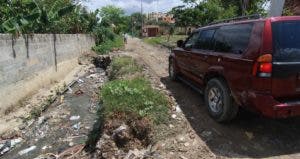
[[67, 125]]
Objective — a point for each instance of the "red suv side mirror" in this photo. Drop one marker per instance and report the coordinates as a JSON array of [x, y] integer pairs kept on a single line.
[[180, 43]]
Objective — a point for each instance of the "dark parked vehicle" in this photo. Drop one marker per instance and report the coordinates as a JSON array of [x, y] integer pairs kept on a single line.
[[253, 63]]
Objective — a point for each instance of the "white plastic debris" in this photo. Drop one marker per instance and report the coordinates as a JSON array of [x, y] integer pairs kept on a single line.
[[25, 151], [8, 145], [75, 117], [174, 116], [80, 81], [76, 126], [119, 129], [16, 141]]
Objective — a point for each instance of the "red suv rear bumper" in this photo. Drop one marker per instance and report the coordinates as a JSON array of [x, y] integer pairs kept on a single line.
[[271, 107]]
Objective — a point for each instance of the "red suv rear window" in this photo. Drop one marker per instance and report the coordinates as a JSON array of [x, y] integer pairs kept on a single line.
[[286, 41]]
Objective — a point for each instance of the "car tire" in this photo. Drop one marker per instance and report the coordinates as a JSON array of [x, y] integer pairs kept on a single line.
[[172, 70], [219, 102]]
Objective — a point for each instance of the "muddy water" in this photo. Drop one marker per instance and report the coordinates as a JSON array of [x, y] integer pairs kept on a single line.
[[54, 131]]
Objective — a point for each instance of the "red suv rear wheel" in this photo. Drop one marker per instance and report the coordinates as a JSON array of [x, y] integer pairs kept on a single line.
[[219, 102]]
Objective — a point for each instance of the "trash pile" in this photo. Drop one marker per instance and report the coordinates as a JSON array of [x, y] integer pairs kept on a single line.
[[63, 128]]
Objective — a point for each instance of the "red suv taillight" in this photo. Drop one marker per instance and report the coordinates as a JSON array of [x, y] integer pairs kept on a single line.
[[263, 66]]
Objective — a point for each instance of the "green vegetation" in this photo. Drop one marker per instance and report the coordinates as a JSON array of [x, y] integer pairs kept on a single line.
[[107, 32], [163, 40], [109, 45], [197, 13], [132, 96], [123, 66], [45, 16]]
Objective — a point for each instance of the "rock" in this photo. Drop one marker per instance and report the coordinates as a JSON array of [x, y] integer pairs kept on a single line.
[[25, 151], [72, 118], [180, 139], [186, 144]]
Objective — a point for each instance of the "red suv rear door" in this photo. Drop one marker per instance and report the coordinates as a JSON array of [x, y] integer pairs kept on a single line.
[[286, 59]]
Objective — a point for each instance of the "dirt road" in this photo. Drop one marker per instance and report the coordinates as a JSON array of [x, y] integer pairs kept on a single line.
[[248, 135]]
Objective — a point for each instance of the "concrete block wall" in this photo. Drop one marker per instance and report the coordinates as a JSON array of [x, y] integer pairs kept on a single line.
[[24, 57]]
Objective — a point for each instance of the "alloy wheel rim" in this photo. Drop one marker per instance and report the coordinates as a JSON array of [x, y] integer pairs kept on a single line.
[[215, 100]]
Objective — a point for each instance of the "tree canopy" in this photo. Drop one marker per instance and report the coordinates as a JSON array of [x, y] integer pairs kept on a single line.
[[202, 12]]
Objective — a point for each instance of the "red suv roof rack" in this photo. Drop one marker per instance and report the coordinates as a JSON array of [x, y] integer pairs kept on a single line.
[[248, 17]]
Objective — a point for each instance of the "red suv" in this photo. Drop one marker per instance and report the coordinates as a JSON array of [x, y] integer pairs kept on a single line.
[[253, 63]]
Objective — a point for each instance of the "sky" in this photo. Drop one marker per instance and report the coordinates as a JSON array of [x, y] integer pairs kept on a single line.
[[131, 6]]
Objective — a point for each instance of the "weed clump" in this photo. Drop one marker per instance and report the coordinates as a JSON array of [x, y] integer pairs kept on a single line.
[[122, 66], [134, 96], [109, 45]]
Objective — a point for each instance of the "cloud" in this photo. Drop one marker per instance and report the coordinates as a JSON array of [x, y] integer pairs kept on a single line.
[[131, 6]]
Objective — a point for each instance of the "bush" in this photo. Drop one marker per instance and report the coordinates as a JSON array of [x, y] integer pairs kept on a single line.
[[134, 96], [109, 45], [122, 66]]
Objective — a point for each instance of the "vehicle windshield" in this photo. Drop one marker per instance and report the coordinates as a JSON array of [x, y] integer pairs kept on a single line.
[[286, 41]]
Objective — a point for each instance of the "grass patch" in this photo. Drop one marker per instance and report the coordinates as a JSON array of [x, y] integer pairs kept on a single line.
[[109, 46], [134, 96], [121, 66], [163, 40]]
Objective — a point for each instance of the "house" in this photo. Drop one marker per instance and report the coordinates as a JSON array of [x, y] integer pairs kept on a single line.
[[150, 30]]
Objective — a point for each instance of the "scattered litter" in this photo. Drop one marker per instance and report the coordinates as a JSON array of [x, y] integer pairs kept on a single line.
[[25, 151], [80, 81], [119, 129], [70, 90], [41, 120], [46, 147], [249, 135], [93, 76], [71, 144], [206, 133], [62, 98], [171, 126], [174, 116], [79, 92], [72, 118], [7, 145], [178, 109], [76, 126]]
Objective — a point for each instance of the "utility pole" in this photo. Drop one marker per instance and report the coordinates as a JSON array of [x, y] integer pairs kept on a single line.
[[142, 20], [276, 8]]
